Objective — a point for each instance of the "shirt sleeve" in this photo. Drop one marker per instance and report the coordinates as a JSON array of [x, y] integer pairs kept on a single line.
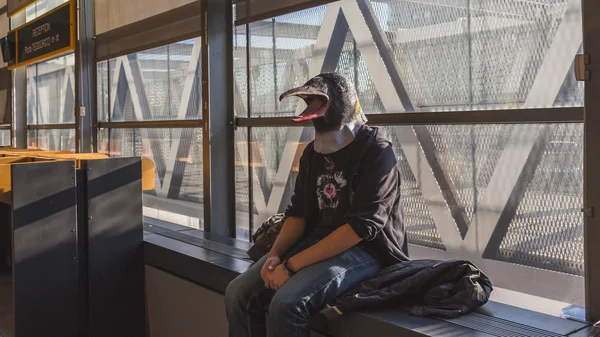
[[375, 193], [296, 208]]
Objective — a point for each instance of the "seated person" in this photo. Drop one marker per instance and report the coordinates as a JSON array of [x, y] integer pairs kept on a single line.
[[344, 223]]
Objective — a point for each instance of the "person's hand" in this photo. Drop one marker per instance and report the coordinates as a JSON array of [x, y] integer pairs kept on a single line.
[[270, 264], [277, 278]]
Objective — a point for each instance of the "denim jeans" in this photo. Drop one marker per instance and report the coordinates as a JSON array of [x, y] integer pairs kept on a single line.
[[308, 291]]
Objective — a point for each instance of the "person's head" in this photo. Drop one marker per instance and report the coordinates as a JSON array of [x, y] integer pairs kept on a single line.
[[331, 102]]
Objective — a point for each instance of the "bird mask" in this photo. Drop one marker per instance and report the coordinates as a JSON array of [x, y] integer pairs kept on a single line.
[[333, 108]]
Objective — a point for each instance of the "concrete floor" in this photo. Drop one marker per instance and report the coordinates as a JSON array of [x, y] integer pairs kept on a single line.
[[6, 306]]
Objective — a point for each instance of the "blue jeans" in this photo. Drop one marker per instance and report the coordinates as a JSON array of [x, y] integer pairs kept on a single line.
[[308, 291]]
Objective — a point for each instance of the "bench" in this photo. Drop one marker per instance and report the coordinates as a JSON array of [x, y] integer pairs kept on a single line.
[[212, 261]]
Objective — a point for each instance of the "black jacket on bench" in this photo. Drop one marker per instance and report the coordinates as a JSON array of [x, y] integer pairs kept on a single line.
[[430, 287]]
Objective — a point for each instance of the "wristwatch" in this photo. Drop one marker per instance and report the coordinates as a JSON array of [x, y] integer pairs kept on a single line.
[[287, 269]]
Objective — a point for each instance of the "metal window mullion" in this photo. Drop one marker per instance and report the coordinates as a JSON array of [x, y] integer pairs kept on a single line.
[[251, 179], [206, 118], [591, 32], [51, 126], [507, 116], [175, 124]]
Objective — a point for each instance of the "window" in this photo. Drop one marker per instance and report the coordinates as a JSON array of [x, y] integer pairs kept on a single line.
[[159, 86], [51, 104], [472, 56], [520, 184], [51, 91]]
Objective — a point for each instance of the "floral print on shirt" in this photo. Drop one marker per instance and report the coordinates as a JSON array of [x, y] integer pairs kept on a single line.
[[329, 186]]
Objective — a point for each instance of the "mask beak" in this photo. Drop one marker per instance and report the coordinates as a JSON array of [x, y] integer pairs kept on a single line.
[[317, 102]]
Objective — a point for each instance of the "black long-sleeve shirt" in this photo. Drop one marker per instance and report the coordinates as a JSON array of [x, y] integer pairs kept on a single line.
[[358, 185]]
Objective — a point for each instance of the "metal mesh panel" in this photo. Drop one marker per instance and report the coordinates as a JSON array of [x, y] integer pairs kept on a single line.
[[240, 74], [470, 54], [547, 230], [353, 66], [51, 140], [420, 226], [468, 155], [50, 91], [156, 78], [280, 54], [267, 148]]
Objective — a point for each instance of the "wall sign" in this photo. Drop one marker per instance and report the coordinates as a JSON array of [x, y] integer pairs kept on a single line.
[[49, 35]]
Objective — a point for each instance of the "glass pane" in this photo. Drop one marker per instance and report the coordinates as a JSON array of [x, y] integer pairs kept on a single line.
[[177, 155], [466, 56], [153, 85], [51, 140], [4, 137], [102, 98], [51, 91], [538, 225]]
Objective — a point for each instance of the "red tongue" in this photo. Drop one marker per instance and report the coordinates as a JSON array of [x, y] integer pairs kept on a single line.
[[314, 110], [310, 116]]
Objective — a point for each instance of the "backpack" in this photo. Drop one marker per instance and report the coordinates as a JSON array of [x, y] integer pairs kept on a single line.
[[265, 236]]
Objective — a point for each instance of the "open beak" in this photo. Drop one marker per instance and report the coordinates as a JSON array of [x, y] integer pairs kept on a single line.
[[316, 101]]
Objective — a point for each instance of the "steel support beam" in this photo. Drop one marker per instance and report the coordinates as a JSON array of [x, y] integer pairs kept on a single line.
[[591, 32], [218, 136], [85, 82]]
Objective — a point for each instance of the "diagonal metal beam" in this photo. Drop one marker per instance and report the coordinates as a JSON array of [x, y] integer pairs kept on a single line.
[[114, 86], [120, 85], [242, 151], [522, 152], [372, 42], [68, 83], [141, 108], [181, 148], [325, 57]]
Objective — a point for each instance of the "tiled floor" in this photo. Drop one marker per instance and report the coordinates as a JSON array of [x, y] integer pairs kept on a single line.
[[6, 305]]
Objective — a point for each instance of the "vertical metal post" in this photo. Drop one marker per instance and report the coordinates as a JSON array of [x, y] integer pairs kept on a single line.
[[275, 84], [218, 116], [19, 108], [249, 129], [591, 32], [85, 68]]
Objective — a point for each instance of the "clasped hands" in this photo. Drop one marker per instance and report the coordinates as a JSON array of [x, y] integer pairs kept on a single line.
[[273, 274]]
